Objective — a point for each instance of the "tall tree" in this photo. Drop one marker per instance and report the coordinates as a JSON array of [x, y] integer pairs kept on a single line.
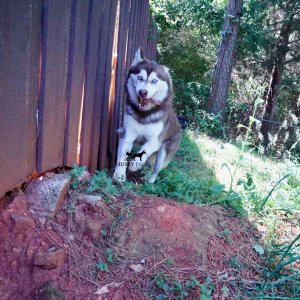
[[279, 59], [225, 56]]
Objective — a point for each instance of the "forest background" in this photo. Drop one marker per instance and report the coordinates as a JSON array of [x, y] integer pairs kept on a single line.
[[235, 62]]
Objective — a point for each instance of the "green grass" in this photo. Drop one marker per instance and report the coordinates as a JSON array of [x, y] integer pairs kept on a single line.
[[187, 178]]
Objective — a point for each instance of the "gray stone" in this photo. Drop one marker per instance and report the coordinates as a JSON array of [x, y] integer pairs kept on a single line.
[[84, 176], [49, 260], [47, 194]]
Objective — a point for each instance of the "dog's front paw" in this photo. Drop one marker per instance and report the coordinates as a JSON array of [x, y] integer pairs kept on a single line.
[[151, 180], [120, 175]]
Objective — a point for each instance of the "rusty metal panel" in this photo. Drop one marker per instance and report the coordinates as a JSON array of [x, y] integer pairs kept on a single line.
[[19, 37], [55, 38], [75, 81], [91, 61]]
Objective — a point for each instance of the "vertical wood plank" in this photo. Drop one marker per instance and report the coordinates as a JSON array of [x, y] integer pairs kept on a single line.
[[55, 41], [102, 95], [137, 28], [75, 81], [91, 61], [33, 82], [120, 97], [19, 39], [131, 33], [144, 26]]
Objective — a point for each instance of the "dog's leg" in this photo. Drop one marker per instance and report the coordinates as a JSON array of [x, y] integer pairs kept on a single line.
[[125, 146], [159, 163], [150, 147]]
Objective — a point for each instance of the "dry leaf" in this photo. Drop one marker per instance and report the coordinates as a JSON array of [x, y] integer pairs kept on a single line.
[[105, 288], [137, 268]]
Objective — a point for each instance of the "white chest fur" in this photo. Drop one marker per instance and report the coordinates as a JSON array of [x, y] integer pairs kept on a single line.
[[148, 131]]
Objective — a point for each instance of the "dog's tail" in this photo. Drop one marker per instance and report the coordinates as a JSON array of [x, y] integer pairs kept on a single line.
[[183, 121]]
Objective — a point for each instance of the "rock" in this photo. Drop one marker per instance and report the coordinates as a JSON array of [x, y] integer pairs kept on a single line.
[[93, 228], [49, 260], [46, 195], [80, 218], [92, 200], [137, 268], [85, 175], [19, 204], [31, 250], [91, 215], [21, 224], [50, 292]]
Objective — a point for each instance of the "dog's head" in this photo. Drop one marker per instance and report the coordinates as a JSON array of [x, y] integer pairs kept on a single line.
[[149, 84]]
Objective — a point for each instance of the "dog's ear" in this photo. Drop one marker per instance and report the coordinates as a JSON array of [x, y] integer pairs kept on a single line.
[[167, 70], [138, 57]]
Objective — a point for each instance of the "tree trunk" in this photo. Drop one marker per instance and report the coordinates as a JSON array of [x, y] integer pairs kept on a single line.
[[276, 76], [222, 72], [297, 109]]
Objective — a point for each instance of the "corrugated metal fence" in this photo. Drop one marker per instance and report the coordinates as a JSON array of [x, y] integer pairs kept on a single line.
[[63, 65]]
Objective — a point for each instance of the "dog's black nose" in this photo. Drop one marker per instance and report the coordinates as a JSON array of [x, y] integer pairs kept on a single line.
[[143, 93]]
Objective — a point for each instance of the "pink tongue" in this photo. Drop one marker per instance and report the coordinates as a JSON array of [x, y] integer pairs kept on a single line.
[[156, 102]]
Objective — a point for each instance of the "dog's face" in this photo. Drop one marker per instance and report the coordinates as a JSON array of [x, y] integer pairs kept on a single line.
[[149, 84]]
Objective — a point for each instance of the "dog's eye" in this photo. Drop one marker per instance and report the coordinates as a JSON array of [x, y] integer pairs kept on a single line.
[[154, 81], [140, 78]]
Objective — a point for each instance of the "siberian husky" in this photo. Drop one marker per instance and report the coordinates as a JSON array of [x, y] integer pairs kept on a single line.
[[149, 119]]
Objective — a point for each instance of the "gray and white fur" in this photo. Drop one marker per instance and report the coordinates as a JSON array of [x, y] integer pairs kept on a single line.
[[149, 119]]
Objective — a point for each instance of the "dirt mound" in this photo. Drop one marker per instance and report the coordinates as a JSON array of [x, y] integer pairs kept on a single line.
[[128, 247], [163, 228]]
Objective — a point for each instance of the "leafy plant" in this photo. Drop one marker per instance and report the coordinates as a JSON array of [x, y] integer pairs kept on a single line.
[[206, 289], [102, 266], [175, 289], [109, 254], [75, 173], [282, 279], [101, 181]]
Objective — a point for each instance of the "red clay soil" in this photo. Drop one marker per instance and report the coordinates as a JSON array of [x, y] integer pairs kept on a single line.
[[122, 248]]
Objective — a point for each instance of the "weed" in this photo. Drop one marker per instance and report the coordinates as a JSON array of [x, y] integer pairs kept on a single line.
[[169, 288], [102, 266], [109, 254], [101, 181], [283, 275], [206, 289], [172, 288], [75, 173]]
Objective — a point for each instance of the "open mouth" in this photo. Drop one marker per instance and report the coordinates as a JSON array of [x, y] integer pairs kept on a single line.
[[143, 103]]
